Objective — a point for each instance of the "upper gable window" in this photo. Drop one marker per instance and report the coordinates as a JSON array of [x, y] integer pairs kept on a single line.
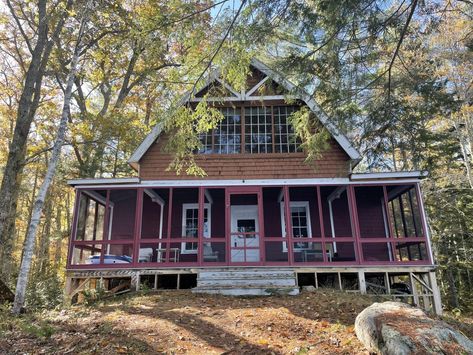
[[255, 129], [258, 130]]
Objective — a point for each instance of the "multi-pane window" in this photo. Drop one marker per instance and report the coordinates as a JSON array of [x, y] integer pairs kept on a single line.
[[258, 130], [300, 227], [206, 140], [227, 135], [266, 130], [285, 140], [190, 225]]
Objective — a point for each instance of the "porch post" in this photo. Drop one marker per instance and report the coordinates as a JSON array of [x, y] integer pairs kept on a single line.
[[322, 228], [228, 237], [362, 282], [436, 293], [390, 225], [168, 239], [137, 228], [354, 222], [106, 225], [261, 226], [200, 226], [287, 216], [425, 227], [74, 228]]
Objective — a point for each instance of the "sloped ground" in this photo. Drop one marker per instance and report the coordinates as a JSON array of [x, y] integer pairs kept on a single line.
[[174, 322]]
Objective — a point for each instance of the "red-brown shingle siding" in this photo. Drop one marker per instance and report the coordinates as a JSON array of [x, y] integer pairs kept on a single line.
[[334, 162]]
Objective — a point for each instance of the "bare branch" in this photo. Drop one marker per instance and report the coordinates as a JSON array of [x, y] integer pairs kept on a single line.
[[219, 45], [399, 43], [20, 27]]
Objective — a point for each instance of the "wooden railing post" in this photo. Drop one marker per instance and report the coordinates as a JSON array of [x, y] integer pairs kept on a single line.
[[200, 225], [287, 209], [137, 226]]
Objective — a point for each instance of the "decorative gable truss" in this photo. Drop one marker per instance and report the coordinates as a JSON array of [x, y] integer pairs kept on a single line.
[[264, 84], [260, 86]]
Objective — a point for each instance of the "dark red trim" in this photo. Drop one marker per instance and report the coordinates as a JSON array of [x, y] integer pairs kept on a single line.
[[322, 226], [262, 249], [168, 235], [200, 225], [354, 222], [288, 220], [425, 227], [289, 240], [73, 228], [137, 226]]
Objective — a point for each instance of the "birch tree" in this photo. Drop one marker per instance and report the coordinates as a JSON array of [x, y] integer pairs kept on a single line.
[[53, 161]]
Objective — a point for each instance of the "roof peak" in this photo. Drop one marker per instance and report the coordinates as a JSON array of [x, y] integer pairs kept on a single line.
[[278, 78]]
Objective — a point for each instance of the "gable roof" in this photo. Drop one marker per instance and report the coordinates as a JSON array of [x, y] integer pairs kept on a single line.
[[300, 94]]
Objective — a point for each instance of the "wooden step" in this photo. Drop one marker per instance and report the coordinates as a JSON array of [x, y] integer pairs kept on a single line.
[[277, 282], [248, 291], [247, 281]]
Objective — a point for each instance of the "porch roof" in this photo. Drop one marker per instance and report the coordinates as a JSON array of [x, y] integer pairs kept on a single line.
[[355, 178]]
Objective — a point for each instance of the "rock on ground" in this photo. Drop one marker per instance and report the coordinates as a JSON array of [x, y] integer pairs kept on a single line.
[[397, 328]]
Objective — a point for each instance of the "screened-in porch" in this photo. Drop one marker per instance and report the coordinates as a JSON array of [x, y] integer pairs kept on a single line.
[[157, 226]]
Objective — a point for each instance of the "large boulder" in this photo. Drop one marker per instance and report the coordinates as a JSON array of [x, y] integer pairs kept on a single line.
[[397, 328]]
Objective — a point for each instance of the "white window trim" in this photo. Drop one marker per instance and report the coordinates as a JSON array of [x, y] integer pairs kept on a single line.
[[192, 206], [283, 222]]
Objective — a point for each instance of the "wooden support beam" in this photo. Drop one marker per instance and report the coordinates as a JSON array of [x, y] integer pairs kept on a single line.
[[387, 283], [79, 288], [316, 281], [436, 294], [362, 282], [426, 292], [414, 289], [135, 281], [118, 288]]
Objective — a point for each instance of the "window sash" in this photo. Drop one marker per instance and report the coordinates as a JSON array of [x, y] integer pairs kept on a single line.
[[191, 247]]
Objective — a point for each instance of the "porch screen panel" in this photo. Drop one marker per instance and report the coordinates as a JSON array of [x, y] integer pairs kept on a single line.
[[405, 213], [406, 222], [122, 214], [91, 215], [285, 138], [227, 136], [258, 130]]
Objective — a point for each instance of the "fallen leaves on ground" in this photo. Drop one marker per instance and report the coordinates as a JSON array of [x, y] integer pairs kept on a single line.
[[174, 322]]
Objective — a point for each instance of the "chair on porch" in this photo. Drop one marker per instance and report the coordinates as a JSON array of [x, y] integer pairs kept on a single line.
[[145, 255], [209, 254]]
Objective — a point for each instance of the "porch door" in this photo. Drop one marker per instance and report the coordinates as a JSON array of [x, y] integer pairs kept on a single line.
[[244, 234]]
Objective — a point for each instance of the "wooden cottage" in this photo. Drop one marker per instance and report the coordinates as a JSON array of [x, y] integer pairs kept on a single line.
[[262, 221]]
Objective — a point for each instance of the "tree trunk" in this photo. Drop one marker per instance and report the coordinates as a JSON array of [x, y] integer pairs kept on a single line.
[[453, 293], [43, 247], [27, 106], [53, 161], [59, 237]]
